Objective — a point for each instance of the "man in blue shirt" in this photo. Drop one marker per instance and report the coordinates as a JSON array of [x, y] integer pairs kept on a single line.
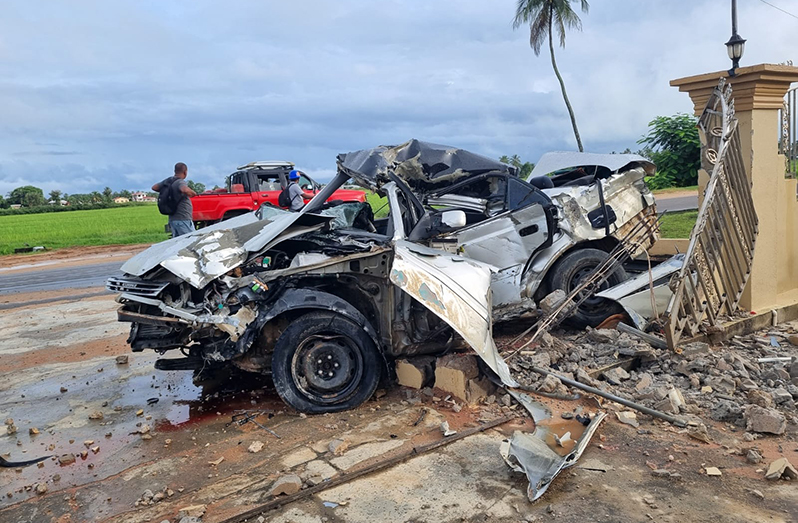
[[296, 195]]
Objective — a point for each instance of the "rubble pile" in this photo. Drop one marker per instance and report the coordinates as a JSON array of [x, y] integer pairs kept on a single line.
[[727, 383]]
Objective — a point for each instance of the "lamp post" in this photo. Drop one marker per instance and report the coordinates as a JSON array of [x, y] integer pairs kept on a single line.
[[736, 44]]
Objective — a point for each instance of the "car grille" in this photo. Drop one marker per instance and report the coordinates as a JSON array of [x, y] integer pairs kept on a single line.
[[139, 287]]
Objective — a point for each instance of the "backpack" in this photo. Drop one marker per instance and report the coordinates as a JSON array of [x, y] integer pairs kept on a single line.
[[284, 198], [167, 202]]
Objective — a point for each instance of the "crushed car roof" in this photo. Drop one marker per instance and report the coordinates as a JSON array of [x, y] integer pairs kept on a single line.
[[418, 163], [556, 161]]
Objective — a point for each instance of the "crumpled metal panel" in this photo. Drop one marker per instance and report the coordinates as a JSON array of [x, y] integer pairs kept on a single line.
[[415, 160], [433, 278], [721, 249], [558, 160], [458, 291]]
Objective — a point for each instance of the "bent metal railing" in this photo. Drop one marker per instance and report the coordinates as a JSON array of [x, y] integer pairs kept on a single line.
[[721, 249]]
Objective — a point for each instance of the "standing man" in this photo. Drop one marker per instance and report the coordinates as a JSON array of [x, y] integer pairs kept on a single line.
[[296, 194], [174, 200]]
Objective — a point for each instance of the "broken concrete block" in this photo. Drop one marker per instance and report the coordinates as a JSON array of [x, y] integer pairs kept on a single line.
[[781, 468], [41, 488], [760, 398], [583, 377], [549, 384], [122, 359], [753, 457], [603, 335], [615, 376], [671, 402], [319, 468], [192, 511], [288, 484], [552, 301], [96, 415], [759, 419], [628, 417], [453, 371], [479, 388], [338, 446], [781, 395], [415, 373], [303, 455], [713, 471], [643, 382], [694, 349], [255, 447], [66, 459]]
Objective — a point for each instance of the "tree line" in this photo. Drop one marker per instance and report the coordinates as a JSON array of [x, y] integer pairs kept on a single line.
[[30, 196]]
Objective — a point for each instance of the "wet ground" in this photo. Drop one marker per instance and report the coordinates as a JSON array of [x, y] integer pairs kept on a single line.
[[58, 366]]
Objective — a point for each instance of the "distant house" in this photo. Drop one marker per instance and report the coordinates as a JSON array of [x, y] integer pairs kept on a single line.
[[139, 196], [16, 206], [121, 199]]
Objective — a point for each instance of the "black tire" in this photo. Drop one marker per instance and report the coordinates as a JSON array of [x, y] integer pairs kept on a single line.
[[569, 271], [330, 344]]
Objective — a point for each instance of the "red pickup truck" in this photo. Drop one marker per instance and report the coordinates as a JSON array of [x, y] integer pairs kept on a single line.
[[251, 186]]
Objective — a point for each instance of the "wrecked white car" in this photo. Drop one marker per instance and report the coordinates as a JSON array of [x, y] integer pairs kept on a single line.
[[325, 298]]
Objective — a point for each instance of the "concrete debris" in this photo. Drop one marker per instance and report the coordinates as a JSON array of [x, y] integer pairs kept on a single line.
[[753, 457], [255, 447], [713, 471], [66, 459], [338, 446], [288, 484], [122, 359], [781, 468], [552, 301], [416, 373], [725, 382], [41, 488], [96, 415], [759, 419], [192, 511], [452, 373], [628, 417], [700, 433]]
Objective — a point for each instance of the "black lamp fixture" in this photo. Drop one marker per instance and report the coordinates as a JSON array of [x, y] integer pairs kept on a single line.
[[736, 44]]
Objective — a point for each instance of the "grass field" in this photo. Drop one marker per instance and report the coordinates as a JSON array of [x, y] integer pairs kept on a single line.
[[122, 225], [678, 224]]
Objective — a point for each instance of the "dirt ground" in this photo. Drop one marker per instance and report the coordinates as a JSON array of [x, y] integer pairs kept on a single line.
[[161, 432]]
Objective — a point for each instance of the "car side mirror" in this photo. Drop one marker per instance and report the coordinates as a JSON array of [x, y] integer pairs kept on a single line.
[[453, 219], [307, 187]]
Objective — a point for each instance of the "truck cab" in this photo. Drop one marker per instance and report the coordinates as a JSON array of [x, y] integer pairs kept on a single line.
[[253, 185]]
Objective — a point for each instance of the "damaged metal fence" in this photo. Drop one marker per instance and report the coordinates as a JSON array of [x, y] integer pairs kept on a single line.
[[721, 249]]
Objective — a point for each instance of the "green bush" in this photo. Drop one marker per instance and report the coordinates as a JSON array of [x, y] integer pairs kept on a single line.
[[672, 143]]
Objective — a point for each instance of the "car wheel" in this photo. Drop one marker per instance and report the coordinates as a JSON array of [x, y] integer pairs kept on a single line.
[[325, 362], [571, 270]]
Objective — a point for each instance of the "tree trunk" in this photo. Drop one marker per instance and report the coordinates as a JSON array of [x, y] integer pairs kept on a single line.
[[562, 86]]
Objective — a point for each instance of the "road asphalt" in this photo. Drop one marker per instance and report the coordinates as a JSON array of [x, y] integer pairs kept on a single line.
[[53, 278]]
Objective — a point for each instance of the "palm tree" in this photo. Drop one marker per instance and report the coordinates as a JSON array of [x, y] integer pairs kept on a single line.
[[544, 17]]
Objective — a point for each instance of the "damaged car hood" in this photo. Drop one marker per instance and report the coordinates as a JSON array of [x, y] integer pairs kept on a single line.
[[559, 160], [204, 255], [418, 163]]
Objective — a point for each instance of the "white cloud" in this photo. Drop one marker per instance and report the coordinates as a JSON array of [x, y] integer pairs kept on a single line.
[[99, 93]]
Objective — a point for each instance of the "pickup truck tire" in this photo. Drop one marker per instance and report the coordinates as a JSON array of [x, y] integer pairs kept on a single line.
[[568, 273], [325, 362]]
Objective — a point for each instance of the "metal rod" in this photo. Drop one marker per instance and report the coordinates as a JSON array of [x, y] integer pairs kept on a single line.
[[652, 340], [612, 397], [734, 17]]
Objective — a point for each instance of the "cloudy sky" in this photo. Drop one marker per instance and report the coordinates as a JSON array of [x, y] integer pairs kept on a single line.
[[96, 93]]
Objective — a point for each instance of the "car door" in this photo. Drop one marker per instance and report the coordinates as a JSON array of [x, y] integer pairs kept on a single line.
[[509, 238]]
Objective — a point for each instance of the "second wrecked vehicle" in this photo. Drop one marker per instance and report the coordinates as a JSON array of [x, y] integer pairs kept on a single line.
[[323, 300]]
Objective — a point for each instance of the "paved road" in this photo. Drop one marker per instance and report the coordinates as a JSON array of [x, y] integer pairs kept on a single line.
[[679, 203], [53, 279]]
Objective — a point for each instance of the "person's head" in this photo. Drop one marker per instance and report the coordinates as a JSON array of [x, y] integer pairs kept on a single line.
[[181, 170], [293, 176]]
